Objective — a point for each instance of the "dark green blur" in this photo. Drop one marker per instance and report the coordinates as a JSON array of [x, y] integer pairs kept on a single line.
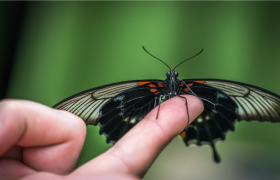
[[68, 47]]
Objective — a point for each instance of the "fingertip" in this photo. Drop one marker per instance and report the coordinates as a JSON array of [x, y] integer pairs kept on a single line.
[[173, 114], [197, 105], [77, 121]]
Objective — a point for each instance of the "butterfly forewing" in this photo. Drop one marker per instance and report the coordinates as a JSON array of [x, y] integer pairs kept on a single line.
[[254, 103], [87, 104]]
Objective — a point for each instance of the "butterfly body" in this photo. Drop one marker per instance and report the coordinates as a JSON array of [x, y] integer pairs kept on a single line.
[[171, 84]]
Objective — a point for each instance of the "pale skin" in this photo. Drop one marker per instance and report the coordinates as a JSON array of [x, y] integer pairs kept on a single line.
[[38, 142]]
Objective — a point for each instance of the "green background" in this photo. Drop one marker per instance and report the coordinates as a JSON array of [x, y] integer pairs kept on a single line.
[[68, 47]]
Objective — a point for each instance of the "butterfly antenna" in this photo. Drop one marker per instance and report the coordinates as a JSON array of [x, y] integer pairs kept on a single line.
[[156, 57], [188, 59]]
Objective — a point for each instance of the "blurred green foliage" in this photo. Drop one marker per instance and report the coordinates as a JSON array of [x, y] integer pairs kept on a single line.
[[68, 47]]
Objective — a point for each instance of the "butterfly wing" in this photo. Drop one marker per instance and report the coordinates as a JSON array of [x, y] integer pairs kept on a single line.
[[254, 103], [234, 101], [115, 108]]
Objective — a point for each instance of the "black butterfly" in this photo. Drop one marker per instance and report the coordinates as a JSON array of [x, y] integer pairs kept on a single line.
[[117, 107]]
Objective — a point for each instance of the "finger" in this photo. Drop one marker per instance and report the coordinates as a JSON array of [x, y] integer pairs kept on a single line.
[[14, 153], [10, 169], [48, 176], [136, 151], [52, 139]]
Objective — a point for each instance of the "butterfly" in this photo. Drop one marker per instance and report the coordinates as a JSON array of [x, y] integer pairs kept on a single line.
[[117, 107]]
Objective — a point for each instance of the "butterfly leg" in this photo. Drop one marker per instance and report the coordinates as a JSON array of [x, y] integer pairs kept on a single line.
[[159, 102], [187, 107], [192, 93]]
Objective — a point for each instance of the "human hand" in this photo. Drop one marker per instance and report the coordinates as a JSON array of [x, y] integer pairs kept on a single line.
[[40, 142]]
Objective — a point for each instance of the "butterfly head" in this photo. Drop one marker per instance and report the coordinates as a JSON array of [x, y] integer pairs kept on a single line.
[[172, 75]]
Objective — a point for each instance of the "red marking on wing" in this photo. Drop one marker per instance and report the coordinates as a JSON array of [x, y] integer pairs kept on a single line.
[[153, 90], [200, 82], [160, 85], [142, 83]]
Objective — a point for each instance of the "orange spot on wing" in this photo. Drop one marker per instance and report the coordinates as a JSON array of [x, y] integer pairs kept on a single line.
[[153, 90], [142, 83], [152, 85], [183, 84], [189, 142], [200, 82], [186, 89], [183, 134], [160, 85]]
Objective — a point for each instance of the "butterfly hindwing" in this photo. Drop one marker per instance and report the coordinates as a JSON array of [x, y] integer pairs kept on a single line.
[[126, 109], [215, 121], [234, 102]]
